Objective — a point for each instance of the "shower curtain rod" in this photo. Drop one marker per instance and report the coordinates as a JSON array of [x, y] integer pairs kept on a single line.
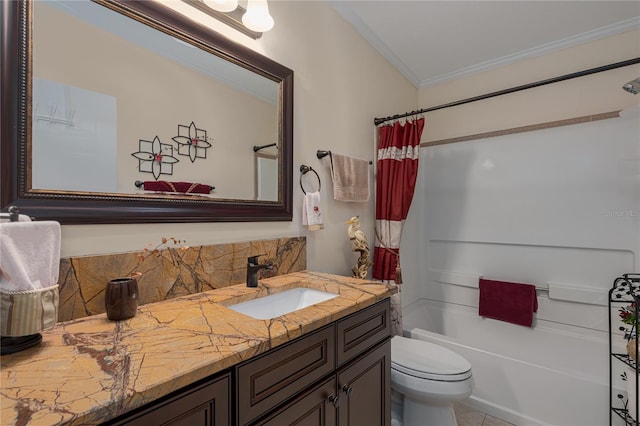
[[615, 65]]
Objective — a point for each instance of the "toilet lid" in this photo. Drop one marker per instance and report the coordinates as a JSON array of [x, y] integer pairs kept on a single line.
[[427, 360]]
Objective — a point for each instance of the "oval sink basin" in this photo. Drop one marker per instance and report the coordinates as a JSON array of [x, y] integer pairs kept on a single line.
[[288, 301]]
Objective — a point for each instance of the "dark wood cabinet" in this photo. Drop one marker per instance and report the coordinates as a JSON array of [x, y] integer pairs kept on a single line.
[[365, 387], [313, 408], [357, 395], [339, 375], [362, 330], [266, 381], [206, 404]]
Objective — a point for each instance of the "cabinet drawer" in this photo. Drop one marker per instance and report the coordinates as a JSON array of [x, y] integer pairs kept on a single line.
[[265, 382], [360, 331], [204, 405]]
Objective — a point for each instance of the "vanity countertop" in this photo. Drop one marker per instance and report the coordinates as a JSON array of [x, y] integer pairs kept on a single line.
[[90, 370]]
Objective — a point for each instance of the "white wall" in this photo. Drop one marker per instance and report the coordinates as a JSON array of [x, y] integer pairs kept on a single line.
[[558, 205], [340, 84]]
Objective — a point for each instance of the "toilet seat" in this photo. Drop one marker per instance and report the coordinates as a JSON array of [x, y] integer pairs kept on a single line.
[[427, 360]]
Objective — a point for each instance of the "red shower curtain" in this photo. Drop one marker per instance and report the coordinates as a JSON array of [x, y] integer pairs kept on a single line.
[[398, 152]]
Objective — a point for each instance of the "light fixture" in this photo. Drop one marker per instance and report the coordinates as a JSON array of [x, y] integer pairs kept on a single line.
[[222, 5], [633, 86], [257, 17]]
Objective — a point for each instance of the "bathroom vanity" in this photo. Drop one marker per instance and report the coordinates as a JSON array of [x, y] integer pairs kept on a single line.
[[192, 361]]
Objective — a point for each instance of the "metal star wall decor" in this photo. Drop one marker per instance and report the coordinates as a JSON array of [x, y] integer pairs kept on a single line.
[[192, 142], [155, 157]]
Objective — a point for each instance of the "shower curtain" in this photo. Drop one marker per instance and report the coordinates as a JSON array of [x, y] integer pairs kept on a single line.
[[397, 170]]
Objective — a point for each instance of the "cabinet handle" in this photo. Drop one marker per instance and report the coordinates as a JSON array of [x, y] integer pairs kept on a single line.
[[335, 400], [347, 390]]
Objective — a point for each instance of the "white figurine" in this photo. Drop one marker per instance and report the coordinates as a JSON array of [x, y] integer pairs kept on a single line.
[[359, 244]]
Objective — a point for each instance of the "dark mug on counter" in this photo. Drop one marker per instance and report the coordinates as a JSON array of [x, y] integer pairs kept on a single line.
[[121, 298]]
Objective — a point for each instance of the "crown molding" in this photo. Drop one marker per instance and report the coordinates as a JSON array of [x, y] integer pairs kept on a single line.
[[347, 13], [598, 33], [609, 30]]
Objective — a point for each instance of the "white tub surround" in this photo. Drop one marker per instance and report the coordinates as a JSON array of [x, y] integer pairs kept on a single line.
[[557, 208]]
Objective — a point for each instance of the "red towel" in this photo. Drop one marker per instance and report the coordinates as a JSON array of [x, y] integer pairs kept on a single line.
[[510, 302], [186, 187]]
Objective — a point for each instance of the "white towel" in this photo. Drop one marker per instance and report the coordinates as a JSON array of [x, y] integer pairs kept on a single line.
[[29, 255], [311, 213], [350, 178]]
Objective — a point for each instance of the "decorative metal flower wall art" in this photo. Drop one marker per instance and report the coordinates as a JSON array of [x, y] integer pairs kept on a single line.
[[192, 142], [155, 157]]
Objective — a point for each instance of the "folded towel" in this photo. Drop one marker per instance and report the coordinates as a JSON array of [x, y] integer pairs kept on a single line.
[[350, 178], [510, 302], [29, 255], [184, 187], [311, 214]]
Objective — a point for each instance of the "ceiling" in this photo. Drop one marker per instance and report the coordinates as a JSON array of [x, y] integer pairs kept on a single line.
[[430, 42]]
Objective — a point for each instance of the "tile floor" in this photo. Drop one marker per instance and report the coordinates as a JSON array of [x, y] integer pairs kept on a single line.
[[467, 416]]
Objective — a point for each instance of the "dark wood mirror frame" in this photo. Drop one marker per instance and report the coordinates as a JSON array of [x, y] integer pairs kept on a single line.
[[85, 208]]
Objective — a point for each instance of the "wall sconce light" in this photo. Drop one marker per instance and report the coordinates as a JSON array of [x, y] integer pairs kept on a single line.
[[222, 5], [252, 22], [257, 17]]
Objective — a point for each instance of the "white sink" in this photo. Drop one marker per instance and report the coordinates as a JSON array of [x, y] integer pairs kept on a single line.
[[274, 305]]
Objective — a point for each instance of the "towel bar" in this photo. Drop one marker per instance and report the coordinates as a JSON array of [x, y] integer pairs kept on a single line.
[[463, 279], [321, 154]]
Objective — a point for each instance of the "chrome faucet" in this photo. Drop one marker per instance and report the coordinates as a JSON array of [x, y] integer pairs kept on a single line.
[[252, 270]]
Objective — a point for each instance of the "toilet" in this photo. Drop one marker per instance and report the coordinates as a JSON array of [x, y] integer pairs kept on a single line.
[[426, 379]]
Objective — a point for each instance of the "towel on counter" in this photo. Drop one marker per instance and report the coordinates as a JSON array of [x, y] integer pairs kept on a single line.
[[350, 178], [506, 301], [29, 271], [311, 214], [29, 255]]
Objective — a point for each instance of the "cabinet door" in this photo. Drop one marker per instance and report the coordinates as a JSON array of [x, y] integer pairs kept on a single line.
[[206, 405], [314, 408], [269, 380], [365, 389]]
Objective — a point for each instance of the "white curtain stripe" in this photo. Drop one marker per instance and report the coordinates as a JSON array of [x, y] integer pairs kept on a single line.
[[394, 153]]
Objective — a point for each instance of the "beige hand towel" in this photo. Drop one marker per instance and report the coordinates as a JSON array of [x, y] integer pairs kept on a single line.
[[350, 178]]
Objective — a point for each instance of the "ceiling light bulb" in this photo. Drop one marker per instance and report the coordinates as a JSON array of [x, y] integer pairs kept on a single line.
[[257, 17], [222, 5]]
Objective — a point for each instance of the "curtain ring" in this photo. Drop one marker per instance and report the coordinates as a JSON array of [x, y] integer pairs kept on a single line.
[[304, 169]]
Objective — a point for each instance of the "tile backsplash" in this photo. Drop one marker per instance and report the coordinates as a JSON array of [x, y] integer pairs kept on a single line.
[[171, 272]]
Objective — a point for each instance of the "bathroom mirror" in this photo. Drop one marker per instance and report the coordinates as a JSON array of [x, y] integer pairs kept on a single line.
[[102, 100]]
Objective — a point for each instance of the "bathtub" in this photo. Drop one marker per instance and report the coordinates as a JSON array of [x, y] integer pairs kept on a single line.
[[552, 374]]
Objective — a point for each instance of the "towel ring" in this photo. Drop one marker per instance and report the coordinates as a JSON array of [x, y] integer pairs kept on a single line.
[[304, 169]]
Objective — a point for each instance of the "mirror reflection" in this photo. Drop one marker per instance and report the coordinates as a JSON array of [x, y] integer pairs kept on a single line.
[[115, 102], [266, 172]]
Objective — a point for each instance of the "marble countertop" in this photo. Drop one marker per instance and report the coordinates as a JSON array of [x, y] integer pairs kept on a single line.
[[90, 370]]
